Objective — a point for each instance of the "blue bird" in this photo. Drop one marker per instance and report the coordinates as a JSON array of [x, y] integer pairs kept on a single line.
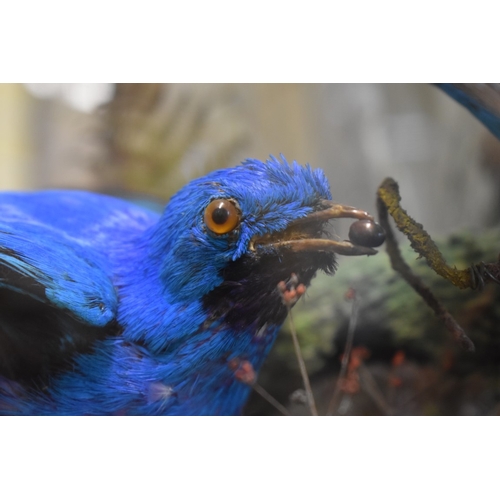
[[110, 309]]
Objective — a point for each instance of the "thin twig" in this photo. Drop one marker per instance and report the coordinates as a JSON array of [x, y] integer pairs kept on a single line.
[[270, 399], [373, 390], [334, 402], [302, 366], [290, 292]]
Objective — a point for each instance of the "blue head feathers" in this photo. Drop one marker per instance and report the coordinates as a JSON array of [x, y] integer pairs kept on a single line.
[[268, 196]]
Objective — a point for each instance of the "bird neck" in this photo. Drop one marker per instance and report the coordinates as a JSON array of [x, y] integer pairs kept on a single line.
[[214, 320]]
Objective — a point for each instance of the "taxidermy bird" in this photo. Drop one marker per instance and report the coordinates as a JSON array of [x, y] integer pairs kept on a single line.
[[108, 308]]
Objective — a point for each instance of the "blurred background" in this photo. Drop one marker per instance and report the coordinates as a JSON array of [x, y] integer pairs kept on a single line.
[[153, 138], [147, 140]]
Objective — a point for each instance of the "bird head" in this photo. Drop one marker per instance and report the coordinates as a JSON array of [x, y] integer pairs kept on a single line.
[[230, 237]]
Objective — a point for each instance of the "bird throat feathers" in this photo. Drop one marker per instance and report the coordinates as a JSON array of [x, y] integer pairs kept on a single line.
[[248, 297]]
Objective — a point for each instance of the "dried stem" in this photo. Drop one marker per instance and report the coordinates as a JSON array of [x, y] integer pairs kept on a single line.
[[373, 390], [335, 401], [302, 366], [270, 399]]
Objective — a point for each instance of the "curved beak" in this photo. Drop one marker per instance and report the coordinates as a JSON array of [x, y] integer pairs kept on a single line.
[[306, 234]]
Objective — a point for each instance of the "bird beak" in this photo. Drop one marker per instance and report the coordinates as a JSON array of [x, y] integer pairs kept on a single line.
[[305, 234], [329, 210]]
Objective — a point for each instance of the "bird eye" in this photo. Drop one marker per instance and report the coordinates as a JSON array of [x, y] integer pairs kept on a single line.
[[222, 216]]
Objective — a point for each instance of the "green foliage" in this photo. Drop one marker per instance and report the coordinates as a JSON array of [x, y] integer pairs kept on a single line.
[[388, 303]]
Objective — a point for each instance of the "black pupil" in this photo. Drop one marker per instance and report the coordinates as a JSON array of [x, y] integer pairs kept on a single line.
[[220, 215]]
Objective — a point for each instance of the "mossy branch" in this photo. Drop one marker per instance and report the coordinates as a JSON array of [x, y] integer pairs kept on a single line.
[[388, 199]]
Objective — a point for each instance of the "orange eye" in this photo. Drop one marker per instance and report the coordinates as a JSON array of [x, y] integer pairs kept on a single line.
[[222, 216]]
